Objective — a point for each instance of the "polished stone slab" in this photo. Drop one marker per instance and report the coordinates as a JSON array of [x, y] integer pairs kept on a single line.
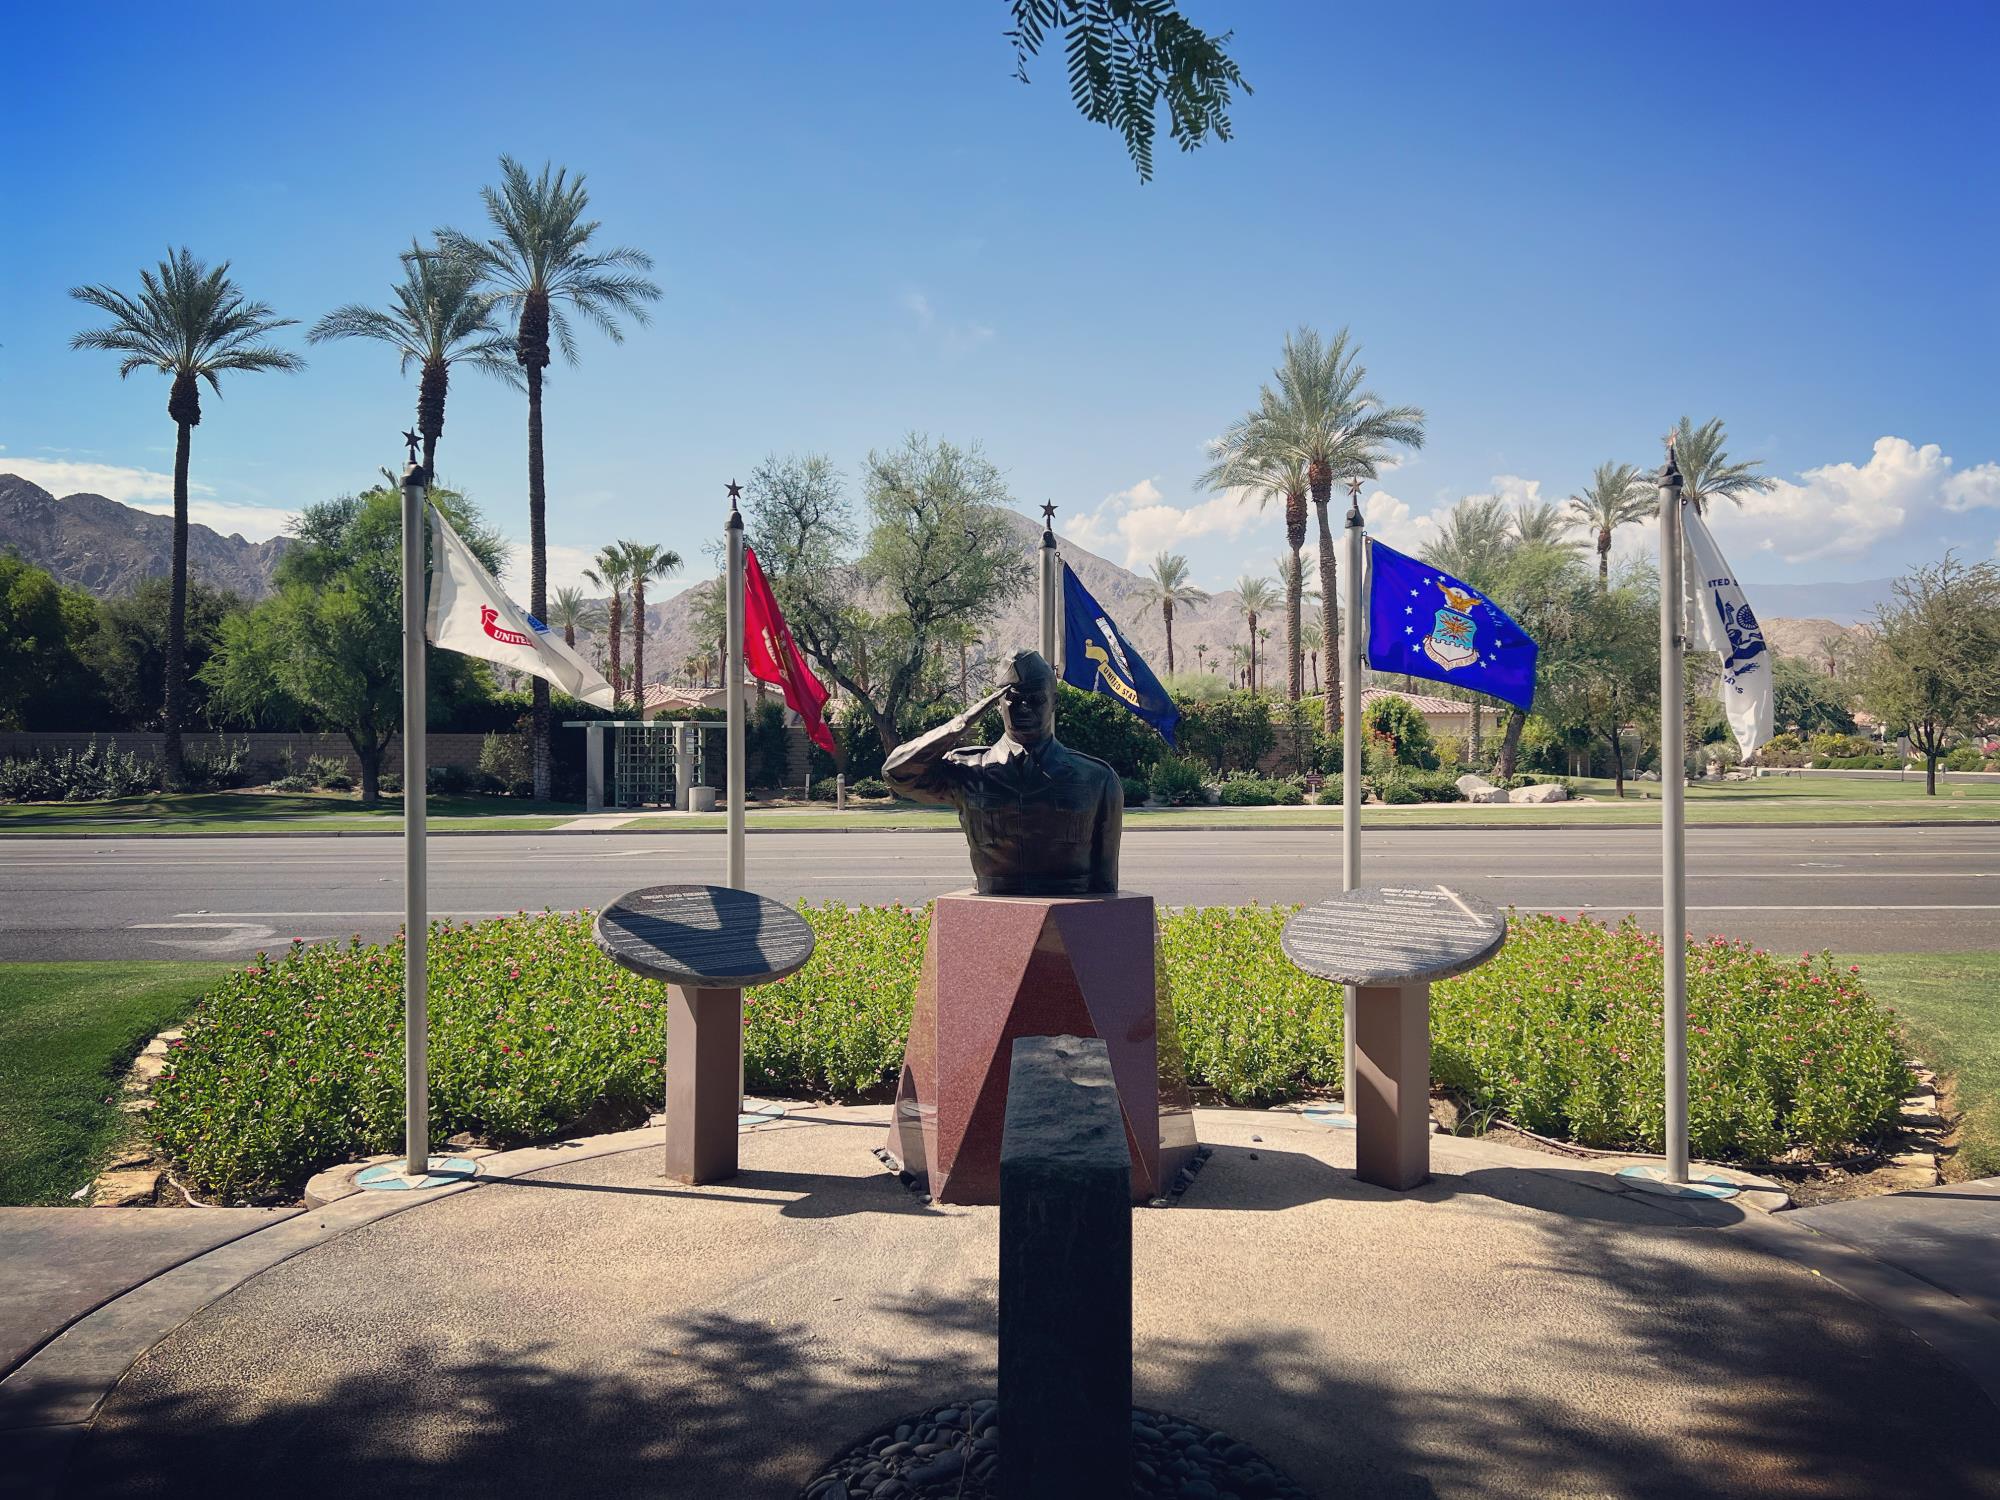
[[1388, 934], [708, 936]]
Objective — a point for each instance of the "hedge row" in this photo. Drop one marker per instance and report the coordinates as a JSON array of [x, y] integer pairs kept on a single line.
[[294, 1064]]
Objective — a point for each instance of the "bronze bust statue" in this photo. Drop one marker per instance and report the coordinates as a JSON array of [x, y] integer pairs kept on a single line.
[[1041, 819]]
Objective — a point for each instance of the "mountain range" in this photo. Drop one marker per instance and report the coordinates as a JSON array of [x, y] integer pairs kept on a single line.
[[107, 547]]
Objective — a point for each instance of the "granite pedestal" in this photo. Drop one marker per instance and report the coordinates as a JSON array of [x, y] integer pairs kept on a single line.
[[708, 943], [1000, 967]]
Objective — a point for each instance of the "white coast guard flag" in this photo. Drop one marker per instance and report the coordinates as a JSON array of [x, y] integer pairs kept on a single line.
[[1719, 620], [469, 615]]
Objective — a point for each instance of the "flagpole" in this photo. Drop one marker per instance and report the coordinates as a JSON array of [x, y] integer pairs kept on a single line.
[[733, 685], [1673, 820], [416, 918], [1050, 581], [1350, 756]]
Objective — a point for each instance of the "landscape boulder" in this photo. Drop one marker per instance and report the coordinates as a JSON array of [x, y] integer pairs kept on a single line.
[[1472, 782], [1550, 793], [1487, 794]]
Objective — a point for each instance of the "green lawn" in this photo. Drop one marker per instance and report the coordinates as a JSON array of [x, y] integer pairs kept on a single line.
[[1767, 800], [67, 1034], [1949, 1004]]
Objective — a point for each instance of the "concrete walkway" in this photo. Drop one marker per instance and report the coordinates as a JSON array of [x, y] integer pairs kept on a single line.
[[1947, 1236], [1522, 1325]]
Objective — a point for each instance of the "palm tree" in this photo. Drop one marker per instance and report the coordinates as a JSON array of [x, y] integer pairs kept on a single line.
[[574, 612], [1541, 523], [440, 318], [1706, 472], [1264, 480], [192, 324], [1240, 659], [1299, 598], [612, 575], [1475, 537], [1616, 495], [644, 562], [1254, 597], [1201, 657], [1312, 638], [1166, 584], [1319, 414], [537, 262]]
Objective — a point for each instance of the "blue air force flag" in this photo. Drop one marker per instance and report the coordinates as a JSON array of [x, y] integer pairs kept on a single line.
[[1425, 622], [1097, 658]]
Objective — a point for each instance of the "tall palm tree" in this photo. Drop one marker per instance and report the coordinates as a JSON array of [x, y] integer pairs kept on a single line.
[[1312, 637], [1541, 523], [539, 265], [1201, 657], [644, 561], [192, 324], [1166, 584], [1254, 597], [1265, 479], [1706, 472], [1616, 495], [1299, 598], [1473, 540], [440, 318], [1320, 414], [612, 574], [574, 611]]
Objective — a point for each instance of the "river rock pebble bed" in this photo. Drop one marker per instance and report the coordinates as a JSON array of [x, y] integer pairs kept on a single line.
[[952, 1452]]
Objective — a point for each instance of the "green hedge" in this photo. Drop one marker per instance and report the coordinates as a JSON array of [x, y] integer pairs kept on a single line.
[[295, 1064]]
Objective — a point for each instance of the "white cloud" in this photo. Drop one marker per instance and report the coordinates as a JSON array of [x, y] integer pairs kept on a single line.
[[1846, 509], [566, 565], [953, 336], [1134, 523], [1391, 521], [255, 523], [114, 481]]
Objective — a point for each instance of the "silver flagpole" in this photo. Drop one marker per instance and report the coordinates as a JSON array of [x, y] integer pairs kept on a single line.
[[733, 685], [1350, 754], [1051, 578], [1673, 819], [416, 916]]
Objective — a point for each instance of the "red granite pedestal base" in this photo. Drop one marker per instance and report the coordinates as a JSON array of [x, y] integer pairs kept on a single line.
[[1000, 967]]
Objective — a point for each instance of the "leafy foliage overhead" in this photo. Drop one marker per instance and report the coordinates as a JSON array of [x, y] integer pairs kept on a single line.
[[1124, 56]]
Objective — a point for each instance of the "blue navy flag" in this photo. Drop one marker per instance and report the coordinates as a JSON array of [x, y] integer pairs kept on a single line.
[[1425, 622], [1097, 658]]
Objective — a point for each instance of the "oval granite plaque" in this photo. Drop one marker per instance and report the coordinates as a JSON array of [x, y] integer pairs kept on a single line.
[[1382, 935], [707, 936]]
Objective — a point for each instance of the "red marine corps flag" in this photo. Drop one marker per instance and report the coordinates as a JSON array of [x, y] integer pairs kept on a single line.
[[772, 656]]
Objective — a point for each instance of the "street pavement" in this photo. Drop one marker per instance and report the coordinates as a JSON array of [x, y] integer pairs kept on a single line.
[[1858, 890]]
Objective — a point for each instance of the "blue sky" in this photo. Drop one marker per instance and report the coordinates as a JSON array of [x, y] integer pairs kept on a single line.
[[1554, 227]]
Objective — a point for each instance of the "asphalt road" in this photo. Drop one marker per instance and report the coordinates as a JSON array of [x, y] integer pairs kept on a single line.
[[1862, 890]]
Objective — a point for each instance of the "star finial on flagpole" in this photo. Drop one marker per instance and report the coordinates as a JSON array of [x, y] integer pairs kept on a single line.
[[412, 442], [1048, 513], [735, 493]]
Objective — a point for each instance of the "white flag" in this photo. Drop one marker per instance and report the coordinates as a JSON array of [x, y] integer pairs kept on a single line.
[[1719, 620], [469, 615]]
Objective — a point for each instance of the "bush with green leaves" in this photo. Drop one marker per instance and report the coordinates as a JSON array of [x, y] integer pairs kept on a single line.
[[1425, 786], [870, 789], [87, 775], [1136, 790], [1962, 758], [1178, 781], [1259, 791], [1403, 725], [294, 1064], [1232, 732]]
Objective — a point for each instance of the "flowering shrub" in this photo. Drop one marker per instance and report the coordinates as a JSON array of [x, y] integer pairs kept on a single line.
[[294, 1064]]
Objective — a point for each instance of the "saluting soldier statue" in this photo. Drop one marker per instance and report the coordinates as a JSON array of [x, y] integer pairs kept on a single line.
[[1041, 819]]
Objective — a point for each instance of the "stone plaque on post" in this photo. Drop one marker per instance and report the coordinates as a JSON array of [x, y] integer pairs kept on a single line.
[[1390, 943], [708, 943]]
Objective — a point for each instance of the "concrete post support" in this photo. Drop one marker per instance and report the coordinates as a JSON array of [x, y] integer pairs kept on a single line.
[[683, 765], [1065, 1275], [840, 792], [593, 768], [704, 1082], [1392, 1100]]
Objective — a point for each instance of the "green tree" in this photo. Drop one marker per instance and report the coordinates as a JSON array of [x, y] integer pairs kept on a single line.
[[1600, 666], [1166, 584], [1404, 726], [1254, 596], [1806, 699], [573, 611], [1707, 475], [1541, 523], [1473, 541], [540, 265], [611, 573], [644, 563], [440, 317], [1616, 495], [1933, 671], [191, 324], [1125, 56], [128, 650], [870, 606], [1300, 597], [1319, 413], [46, 629], [330, 638], [1312, 639]]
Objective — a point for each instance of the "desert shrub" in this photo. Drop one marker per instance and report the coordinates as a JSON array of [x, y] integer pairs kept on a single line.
[[1232, 732], [1962, 758], [1177, 781], [1259, 791], [1433, 786], [507, 763], [1452, 751], [87, 775], [1396, 791], [1135, 790], [823, 789], [294, 1064], [1332, 791], [1407, 731], [390, 783], [447, 781], [870, 788], [1783, 750], [294, 784], [1841, 746], [216, 768]]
